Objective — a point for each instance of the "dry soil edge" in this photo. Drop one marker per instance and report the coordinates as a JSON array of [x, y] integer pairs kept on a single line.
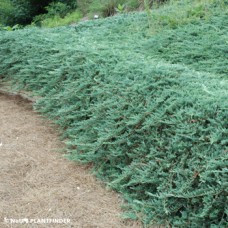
[[36, 182]]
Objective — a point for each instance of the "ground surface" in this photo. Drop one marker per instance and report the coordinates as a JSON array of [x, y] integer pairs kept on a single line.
[[36, 182]]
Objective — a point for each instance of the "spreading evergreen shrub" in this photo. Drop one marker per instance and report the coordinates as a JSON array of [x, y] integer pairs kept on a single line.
[[149, 112]]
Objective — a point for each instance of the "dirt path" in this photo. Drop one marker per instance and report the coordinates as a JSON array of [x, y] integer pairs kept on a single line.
[[36, 182]]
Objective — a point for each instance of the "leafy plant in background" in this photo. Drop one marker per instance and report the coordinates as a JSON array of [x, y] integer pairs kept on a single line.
[[58, 14], [120, 8], [57, 8], [109, 7]]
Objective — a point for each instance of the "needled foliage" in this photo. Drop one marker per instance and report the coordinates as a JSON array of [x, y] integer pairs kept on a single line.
[[150, 112]]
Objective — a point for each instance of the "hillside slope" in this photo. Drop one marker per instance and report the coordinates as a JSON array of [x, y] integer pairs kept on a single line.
[[144, 97]]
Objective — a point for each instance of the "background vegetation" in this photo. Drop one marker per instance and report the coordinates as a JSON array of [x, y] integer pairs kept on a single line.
[[142, 97], [23, 11], [53, 13]]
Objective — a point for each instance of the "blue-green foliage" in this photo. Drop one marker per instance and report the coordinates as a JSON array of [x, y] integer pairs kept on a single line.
[[150, 113], [202, 47]]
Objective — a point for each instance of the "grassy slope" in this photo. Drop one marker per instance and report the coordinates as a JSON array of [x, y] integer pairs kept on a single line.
[[148, 106]]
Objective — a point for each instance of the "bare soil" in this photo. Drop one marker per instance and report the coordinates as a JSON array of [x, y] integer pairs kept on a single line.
[[37, 182]]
